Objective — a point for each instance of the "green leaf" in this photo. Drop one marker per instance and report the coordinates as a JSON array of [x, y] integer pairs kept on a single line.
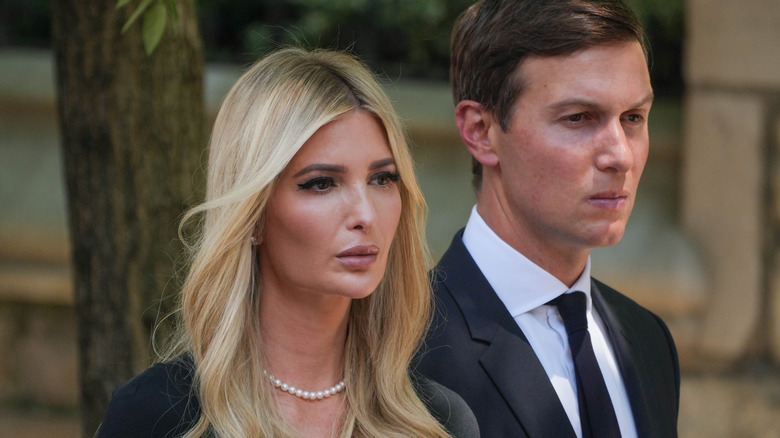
[[121, 3], [154, 26], [174, 15], [137, 13], [174, 10]]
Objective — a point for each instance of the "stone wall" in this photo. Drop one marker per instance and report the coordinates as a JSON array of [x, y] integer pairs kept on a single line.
[[730, 196], [730, 184]]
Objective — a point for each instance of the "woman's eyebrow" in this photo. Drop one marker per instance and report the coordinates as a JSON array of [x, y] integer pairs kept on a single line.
[[381, 163], [333, 168]]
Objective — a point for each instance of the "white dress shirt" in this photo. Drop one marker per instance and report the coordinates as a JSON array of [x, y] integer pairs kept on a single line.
[[524, 288]]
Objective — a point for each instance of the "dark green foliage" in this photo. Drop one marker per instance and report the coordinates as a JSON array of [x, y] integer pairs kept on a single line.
[[402, 38]]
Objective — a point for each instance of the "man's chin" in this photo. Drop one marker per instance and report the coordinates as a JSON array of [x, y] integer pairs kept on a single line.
[[610, 237]]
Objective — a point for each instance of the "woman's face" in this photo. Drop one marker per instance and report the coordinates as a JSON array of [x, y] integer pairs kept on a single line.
[[332, 217]]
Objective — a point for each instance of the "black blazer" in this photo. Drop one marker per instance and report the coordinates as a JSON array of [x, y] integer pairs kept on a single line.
[[161, 403], [475, 348]]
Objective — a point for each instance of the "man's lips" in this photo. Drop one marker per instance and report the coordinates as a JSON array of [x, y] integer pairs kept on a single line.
[[610, 199], [359, 256]]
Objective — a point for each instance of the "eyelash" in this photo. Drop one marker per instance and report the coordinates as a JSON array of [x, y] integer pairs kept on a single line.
[[393, 177], [313, 183]]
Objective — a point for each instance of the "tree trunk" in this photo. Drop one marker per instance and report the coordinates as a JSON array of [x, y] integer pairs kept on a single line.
[[132, 137]]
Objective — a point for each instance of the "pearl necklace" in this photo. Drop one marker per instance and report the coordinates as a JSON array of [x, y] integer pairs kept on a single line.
[[306, 395]]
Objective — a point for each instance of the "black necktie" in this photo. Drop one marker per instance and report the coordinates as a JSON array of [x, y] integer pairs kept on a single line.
[[597, 415]]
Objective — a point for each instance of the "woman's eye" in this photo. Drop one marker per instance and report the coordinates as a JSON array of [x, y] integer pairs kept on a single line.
[[320, 184], [386, 178]]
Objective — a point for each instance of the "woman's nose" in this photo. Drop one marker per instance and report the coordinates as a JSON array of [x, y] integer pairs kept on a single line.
[[362, 210]]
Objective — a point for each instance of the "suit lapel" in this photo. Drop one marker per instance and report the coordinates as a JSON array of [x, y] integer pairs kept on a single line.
[[627, 358], [520, 378], [509, 360]]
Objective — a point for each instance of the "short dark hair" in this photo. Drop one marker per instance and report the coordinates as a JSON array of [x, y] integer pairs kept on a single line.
[[492, 38]]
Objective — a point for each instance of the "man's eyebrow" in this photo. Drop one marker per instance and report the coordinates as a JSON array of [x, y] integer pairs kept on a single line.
[[321, 167], [573, 102], [589, 104], [648, 99]]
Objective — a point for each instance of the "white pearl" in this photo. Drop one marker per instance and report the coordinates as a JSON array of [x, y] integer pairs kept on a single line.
[[305, 395]]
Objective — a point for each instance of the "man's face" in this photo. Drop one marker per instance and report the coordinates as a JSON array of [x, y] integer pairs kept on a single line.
[[569, 163]]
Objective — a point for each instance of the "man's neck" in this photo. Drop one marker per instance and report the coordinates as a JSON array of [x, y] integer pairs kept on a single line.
[[564, 264]]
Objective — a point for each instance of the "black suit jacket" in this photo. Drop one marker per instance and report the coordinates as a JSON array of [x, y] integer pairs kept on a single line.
[[475, 348]]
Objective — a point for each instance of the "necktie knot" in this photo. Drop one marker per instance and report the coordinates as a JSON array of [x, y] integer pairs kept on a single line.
[[571, 306]]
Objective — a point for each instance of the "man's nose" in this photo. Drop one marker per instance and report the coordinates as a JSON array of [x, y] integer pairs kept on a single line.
[[614, 149]]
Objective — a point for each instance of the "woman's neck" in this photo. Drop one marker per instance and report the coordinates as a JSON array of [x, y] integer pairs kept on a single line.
[[304, 337]]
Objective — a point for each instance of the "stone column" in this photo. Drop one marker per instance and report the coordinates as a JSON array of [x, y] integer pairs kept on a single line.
[[774, 248], [731, 191]]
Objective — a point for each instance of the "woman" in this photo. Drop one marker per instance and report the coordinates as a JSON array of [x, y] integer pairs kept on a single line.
[[309, 272]]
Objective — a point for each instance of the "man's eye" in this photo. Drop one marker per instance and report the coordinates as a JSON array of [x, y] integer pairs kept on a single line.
[[635, 118], [575, 117]]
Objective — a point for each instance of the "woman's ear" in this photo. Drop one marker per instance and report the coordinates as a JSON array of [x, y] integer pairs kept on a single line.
[[257, 233], [474, 124]]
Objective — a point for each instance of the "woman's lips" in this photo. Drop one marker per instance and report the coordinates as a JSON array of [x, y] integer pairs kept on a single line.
[[359, 256]]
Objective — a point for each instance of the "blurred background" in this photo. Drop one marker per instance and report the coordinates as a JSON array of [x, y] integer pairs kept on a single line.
[[701, 250]]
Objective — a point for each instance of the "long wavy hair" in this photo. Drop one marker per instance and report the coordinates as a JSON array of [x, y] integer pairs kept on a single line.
[[271, 111]]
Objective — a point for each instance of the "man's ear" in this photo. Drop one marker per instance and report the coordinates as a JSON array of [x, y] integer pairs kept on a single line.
[[474, 124]]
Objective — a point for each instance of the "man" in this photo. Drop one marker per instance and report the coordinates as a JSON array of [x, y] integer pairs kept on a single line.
[[552, 100]]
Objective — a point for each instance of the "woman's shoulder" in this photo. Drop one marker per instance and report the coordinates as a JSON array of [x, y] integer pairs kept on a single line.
[[158, 402], [447, 407]]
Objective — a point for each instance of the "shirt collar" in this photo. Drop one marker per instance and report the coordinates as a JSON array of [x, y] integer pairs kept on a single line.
[[520, 283]]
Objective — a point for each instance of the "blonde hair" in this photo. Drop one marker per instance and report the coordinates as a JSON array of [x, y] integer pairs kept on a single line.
[[278, 104]]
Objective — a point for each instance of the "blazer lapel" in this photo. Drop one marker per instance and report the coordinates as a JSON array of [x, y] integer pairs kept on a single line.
[[627, 358], [509, 360], [520, 378]]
